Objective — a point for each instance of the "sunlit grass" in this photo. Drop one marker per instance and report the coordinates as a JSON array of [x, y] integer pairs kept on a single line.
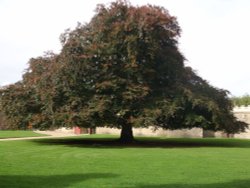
[[18, 134], [92, 161]]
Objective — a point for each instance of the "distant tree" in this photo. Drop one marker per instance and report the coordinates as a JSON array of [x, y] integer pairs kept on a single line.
[[38, 77], [3, 124], [241, 100], [124, 69], [18, 103], [30, 102], [47, 78]]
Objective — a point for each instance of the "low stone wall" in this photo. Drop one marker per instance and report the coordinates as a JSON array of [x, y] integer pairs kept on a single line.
[[187, 133], [65, 130], [243, 114]]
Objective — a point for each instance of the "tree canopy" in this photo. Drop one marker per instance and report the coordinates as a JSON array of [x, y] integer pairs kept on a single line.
[[122, 69]]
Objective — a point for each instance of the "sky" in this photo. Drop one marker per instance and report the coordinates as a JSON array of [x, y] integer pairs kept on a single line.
[[215, 35]]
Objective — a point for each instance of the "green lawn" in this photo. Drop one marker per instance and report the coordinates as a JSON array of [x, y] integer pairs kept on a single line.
[[18, 134], [92, 161]]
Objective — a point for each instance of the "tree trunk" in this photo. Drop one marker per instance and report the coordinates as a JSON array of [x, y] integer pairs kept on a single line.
[[126, 133]]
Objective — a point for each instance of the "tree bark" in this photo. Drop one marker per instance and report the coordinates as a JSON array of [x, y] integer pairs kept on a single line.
[[126, 133]]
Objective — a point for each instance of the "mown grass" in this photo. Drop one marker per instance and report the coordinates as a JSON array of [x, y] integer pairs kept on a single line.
[[93, 161], [18, 134]]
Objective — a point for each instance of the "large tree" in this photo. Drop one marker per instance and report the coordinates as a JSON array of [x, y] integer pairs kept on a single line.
[[124, 69], [130, 73]]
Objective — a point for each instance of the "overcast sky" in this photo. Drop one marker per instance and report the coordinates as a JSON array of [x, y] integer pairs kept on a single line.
[[215, 35]]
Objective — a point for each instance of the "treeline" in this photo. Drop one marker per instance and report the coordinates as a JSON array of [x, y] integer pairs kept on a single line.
[[241, 100]]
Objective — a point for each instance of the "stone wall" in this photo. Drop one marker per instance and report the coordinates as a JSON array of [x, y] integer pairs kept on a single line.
[[187, 133], [242, 113]]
